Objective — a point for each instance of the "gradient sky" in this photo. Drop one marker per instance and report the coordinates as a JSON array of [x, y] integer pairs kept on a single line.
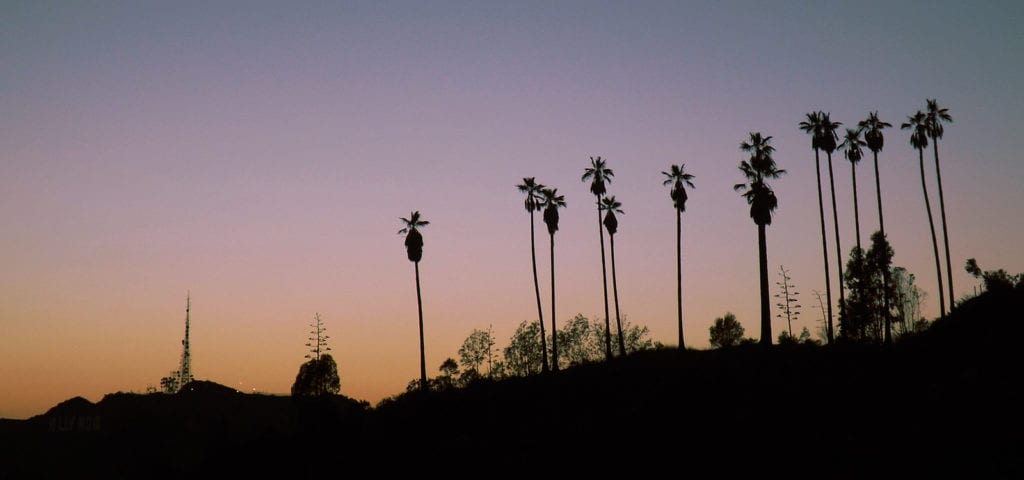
[[259, 155]]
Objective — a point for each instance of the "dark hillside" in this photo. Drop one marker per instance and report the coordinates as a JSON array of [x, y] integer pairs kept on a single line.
[[945, 403]]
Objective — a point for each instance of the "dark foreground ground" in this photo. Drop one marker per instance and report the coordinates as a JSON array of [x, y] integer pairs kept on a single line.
[[944, 404]]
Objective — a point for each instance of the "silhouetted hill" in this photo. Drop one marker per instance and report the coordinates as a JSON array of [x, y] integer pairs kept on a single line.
[[943, 403]]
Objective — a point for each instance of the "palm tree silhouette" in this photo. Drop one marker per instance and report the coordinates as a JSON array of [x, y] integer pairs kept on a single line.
[[935, 118], [851, 145], [552, 201], [610, 205], [532, 189], [918, 124], [762, 202], [677, 177], [414, 249], [872, 127], [600, 175], [827, 143], [812, 125]]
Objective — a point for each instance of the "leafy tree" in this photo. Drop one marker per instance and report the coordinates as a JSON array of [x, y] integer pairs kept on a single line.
[[867, 310], [552, 202], [318, 376], [600, 175], [907, 299], [994, 280], [611, 222], [414, 250], [523, 353], [918, 124], [533, 203], [678, 178], [580, 341], [477, 349], [813, 126], [762, 201], [872, 127], [726, 332], [937, 116], [449, 372]]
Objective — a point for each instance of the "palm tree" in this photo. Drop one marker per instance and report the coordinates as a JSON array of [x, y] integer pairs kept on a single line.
[[872, 127], [551, 202], [936, 117], [812, 125], [677, 177], [600, 175], [762, 202], [827, 142], [610, 205], [918, 124], [532, 190], [414, 249], [851, 145]]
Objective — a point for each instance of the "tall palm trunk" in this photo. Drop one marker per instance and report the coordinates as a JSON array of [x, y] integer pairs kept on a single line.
[[679, 275], [835, 222], [423, 359], [824, 248], [615, 291], [554, 328], [935, 243], [885, 272], [766, 319], [942, 211], [604, 279], [536, 289], [856, 210]]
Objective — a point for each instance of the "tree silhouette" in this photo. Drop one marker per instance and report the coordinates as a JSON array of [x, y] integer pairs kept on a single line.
[[812, 125], [935, 118], [762, 201], [726, 331], [678, 178], [414, 250], [612, 206], [918, 124], [532, 189], [600, 175], [872, 127], [552, 202], [852, 144]]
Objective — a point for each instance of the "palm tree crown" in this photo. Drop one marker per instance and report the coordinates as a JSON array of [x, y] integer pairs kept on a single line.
[[812, 125], [872, 127], [829, 139], [918, 124], [599, 174], [761, 166], [852, 145], [532, 190], [677, 177], [413, 238], [612, 206], [935, 118], [551, 202]]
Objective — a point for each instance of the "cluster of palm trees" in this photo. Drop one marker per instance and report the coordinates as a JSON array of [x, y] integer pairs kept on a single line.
[[756, 171], [869, 134]]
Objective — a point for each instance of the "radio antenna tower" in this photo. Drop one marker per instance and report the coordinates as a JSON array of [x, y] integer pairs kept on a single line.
[[185, 371]]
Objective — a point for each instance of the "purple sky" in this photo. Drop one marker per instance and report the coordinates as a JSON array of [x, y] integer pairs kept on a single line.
[[259, 154]]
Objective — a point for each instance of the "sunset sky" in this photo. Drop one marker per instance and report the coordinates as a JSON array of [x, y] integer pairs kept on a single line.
[[259, 155]]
